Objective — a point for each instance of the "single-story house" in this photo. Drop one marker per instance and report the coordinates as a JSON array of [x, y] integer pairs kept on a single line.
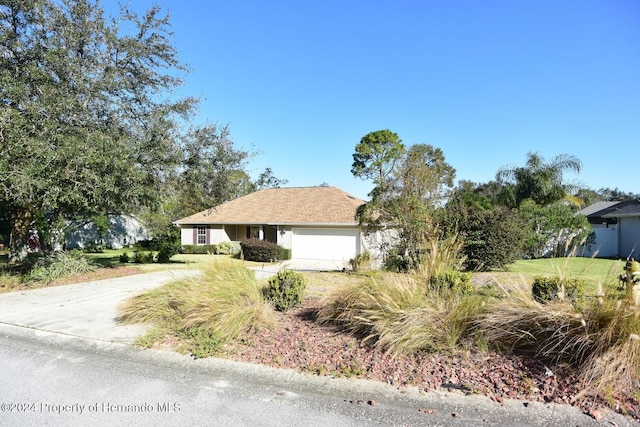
[[617, 229], [316, 223], [124, 230]]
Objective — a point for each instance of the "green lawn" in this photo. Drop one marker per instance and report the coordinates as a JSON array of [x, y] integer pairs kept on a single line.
[[590, 269]]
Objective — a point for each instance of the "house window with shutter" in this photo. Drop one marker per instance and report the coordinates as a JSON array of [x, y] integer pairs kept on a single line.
[[202, 235]]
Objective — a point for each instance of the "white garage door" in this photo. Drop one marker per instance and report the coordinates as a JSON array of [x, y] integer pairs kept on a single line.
[[333, 244]]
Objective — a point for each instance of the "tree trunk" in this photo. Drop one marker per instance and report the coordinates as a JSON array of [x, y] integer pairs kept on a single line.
[[19, 239]]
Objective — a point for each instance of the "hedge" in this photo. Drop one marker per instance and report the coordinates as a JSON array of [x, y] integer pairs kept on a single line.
[[263, 251]]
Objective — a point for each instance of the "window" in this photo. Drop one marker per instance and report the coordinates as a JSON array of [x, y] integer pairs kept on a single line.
[[202, 235], [254, 232]]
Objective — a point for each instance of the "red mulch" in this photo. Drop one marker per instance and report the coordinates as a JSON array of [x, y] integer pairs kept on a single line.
[[300, 343]]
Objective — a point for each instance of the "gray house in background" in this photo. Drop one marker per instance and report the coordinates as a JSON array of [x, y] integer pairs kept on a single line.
[[617, 229], [123, 230]]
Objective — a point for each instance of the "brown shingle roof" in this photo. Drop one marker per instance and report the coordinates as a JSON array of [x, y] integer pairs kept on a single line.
[[300, 205]]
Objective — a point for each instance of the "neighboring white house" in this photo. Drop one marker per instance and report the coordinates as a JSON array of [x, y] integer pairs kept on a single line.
[[316, 223], [123, 230], [617, 229]]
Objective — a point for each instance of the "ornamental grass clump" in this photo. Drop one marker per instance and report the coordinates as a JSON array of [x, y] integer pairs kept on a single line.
[[601, 340], [221, 304], [402, 316], [61, 264]]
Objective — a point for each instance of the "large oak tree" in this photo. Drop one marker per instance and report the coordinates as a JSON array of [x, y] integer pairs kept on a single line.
[[86, 118]]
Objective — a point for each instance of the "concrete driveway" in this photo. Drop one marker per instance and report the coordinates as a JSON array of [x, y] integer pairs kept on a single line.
[[269, 270], [87, 310]]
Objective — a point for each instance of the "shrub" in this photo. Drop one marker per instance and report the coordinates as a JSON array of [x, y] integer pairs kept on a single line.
[[398, 263], [124, 258], [451, 282], [142, 258], [228, 248], [166, 247], [493, 238], [59, 265], [547, 289], [93, 248], [360, 261], [199, 249], [263, 251], [286, 289], [202, 342]]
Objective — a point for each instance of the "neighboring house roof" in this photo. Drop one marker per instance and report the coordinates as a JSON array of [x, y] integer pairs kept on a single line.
[[629, 208], [594, 209], [298, 205]]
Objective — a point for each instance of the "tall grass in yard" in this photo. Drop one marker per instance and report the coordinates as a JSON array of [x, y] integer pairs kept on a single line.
[[401, 316], [602, 341], [225, 301], [440, 255], [430, 310]]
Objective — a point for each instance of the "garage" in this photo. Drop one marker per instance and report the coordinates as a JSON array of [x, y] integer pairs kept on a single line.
[[333, 244]]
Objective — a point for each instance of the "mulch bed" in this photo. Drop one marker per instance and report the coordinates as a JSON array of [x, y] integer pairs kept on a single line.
[[299, 342]]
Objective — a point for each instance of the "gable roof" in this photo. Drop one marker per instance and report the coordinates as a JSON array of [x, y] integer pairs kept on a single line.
[[629, 208], [597, 209], [296, 205]]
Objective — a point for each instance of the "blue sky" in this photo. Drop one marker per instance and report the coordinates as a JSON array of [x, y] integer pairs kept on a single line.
[[486, 81]]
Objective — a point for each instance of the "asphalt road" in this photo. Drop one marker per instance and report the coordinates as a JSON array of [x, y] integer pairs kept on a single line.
[[56, 371]]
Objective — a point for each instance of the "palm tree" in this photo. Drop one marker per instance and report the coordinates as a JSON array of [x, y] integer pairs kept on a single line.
[[539, 180]]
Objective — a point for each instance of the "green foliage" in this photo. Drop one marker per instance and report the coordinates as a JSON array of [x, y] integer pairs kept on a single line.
[[213, 170], [88, 119], [199, 249], [166, 242], [102, 225], [93, 248], [286, 289], [396, 262], [228, 248], [553, 229], [124, 258], [263, 251], [60, 264], [494, 236], [547, 289], [539, 180], [222, 248], [450, 282], [142, 257], [408, 196], [165, 252], [376, 154], [201, 342], [360, 261]]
